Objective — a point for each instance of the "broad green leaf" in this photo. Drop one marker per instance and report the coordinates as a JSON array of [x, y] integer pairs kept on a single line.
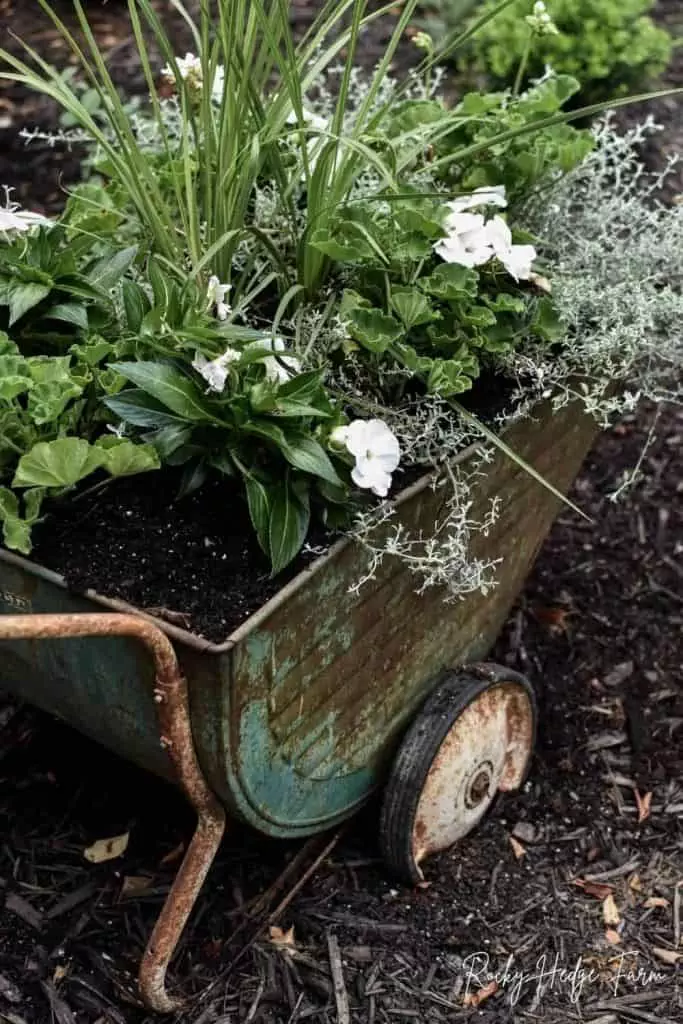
[[310, 457], [46, 402], [169, 386], [374, 329], [141, 410], [7, 346], [287, 527], [259, 504], [547, 323], [135, 305], [24, 296], [60, 463], [169, 439], [446, 377], [451, 281], [93, 351], [108, 271], [15, 378], [124, 458], [46, 369], [68, 313], [16, 534], [9, 503], [33, 500], [413, 307]]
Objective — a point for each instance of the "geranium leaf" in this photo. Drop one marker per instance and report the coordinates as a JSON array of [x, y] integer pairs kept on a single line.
[[60, 463]]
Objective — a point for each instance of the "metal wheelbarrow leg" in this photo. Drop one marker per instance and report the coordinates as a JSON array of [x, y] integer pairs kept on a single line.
[[171, 699]]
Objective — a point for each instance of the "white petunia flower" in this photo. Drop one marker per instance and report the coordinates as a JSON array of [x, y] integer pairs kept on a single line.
[[516, 259], [376, 450], [215, 371], [215, 293], [279, 368], [487, 195], [467, 242]]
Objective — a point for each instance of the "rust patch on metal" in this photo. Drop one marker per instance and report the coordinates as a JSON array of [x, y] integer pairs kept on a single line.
[[171, 700], [486, 749]]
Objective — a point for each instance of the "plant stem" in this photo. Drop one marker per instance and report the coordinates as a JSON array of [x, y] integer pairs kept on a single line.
[[519, 77]]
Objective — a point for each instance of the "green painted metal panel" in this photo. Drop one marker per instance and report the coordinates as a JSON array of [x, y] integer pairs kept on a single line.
[[296, 715]]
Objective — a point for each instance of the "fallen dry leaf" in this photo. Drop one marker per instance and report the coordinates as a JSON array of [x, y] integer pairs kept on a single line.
[[613, 937], [135, 885], [107, 849], [173, 855], [667, 956], [635, 883], [59, 973], [517, 848], [644, 803], [655, 901], [424, 884], [610, 911], [477, 998], [279, 937], [554, 618], [598, 889]]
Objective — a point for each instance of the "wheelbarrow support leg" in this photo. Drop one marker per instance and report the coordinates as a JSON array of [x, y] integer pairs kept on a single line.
[[171, 699]]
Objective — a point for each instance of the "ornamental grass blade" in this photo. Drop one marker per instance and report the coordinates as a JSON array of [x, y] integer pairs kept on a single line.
[[491, 436]]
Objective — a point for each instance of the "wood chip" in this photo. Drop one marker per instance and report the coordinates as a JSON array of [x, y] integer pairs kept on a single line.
[[477, 998], [613, 937], [667, 956], [517, 848], [600, 890], [610, 911], [644, 803], [107, 849], [341, 997], [23, 909]]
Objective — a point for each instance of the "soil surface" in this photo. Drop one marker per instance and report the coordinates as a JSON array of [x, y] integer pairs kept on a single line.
[[575, 884]]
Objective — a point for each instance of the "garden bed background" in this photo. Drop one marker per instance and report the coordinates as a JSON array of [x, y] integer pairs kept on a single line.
[[598, 629]]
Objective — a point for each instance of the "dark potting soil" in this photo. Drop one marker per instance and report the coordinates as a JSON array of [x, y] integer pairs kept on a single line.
[[193, 561]]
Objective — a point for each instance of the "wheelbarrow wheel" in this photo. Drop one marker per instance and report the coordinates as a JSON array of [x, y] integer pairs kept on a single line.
[[473, 738]]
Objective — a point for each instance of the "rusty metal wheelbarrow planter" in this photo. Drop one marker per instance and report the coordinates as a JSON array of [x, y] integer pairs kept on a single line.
[[298, 716]]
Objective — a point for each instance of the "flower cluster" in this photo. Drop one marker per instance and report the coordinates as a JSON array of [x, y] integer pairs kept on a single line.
[[540, 21], [472, 240], [191, 72], [14, 219]]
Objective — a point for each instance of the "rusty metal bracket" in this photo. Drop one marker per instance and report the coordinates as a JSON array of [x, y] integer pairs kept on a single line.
[[171, 699]]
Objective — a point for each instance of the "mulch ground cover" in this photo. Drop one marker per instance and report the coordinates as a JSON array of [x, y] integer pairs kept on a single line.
[[565, 905]]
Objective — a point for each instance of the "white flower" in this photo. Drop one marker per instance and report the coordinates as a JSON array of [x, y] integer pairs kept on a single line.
[[467, 242], [279, 368], [215, 371], [376, 450], [190, 70], [487, 195], [215, 294], [13, 218], [516, 259], [540, 21]]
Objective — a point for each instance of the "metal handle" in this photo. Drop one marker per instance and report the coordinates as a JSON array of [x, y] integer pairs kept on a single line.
[[173, 712]]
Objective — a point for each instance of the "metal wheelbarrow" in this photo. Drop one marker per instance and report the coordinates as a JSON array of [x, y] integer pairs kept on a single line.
[[319, 698]]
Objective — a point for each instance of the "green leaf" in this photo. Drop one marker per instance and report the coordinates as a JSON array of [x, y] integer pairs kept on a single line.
[[60, 463], [547, 323], [374, 329], [14, 377], [451, 281], [47, 401], [287, 527], [69, 313], [413, 307], [108, 271], [310, 457], [124, 458], [259, 504], [447, 377], [169, 439], [7, 346], [169, 386], [135, 305], [141, 410], [24, 296]]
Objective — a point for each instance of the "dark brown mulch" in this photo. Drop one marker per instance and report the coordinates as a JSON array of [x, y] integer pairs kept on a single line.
[[598, 630]]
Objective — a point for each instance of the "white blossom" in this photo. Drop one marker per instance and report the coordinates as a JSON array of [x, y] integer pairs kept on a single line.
[[279, 368], [487, 195], [376, 451], [14, 219], [540, 21], [467, 242], [191, 72], [516, 259], [215, 294], [215, 371]]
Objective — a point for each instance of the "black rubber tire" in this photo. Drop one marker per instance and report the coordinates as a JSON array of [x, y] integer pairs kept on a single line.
[[418, 750]]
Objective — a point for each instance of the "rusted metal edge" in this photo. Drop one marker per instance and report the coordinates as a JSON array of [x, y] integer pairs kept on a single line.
[[171, 700], [254, 621]]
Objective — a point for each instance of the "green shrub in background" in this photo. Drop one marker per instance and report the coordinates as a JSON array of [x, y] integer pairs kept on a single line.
[[611, 46]]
